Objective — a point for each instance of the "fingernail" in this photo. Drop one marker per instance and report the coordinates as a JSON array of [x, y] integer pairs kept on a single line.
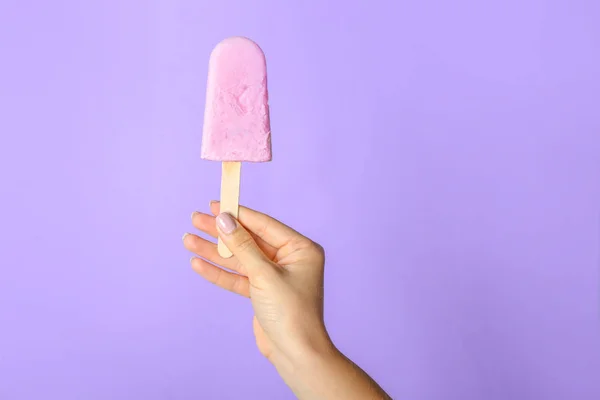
[[194, 214], [184, 235], [192, 259], [212, 202], [226, 223]]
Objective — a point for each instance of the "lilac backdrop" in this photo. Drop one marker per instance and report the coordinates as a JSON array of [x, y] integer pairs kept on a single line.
[[446, 154]]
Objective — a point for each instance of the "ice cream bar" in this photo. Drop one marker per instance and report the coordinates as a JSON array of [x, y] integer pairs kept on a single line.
[[236, 117]]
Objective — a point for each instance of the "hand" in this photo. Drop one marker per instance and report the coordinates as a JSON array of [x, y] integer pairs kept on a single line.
[[278, 268], [282, 273]]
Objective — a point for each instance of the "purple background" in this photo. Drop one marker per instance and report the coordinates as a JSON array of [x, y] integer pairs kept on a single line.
[[445, 153]]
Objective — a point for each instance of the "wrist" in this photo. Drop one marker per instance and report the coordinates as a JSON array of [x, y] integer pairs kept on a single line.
[[314, 354], [304, 356], [308, 369]]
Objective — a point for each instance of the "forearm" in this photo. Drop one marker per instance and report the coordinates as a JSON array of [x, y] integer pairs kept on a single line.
[[329, 375]]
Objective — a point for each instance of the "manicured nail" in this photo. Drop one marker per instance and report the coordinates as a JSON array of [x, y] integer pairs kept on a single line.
[[184, 235], [212, 202], [194, 214], [192, 259], [226, 223]]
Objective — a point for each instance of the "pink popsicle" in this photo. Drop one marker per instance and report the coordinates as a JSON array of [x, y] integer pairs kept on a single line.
[[236, 117]]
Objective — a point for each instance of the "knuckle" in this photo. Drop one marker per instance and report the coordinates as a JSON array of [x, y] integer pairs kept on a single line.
[[244, 242], [309, 246], [262, 231], [239, 267], [236, 286], [301, 243], [219, 279], [318, 249]]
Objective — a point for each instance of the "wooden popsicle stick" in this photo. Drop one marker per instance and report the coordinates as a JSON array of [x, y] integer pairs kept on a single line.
[[230, 196]]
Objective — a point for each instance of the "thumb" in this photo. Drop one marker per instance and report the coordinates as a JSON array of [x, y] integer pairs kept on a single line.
[[241, 243]]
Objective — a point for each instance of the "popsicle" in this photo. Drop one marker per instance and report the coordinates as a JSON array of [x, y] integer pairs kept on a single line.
[[236, 118]]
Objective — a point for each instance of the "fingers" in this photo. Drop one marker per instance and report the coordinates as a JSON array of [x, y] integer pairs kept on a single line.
[[208, 251], [227, 280], [205, 223], [243, 246], [263, 226]]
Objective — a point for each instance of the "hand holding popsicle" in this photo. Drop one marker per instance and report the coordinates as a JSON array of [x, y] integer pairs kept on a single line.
[[282, 273], [278, 268]]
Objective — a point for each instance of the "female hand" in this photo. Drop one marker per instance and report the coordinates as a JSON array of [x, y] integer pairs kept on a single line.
[[278, 268], [281, 272]]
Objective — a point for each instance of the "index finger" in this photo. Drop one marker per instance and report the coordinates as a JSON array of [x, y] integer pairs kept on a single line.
[[272, 231]]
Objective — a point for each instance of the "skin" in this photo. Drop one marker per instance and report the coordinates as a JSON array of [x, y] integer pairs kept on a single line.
[[281, 271]]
